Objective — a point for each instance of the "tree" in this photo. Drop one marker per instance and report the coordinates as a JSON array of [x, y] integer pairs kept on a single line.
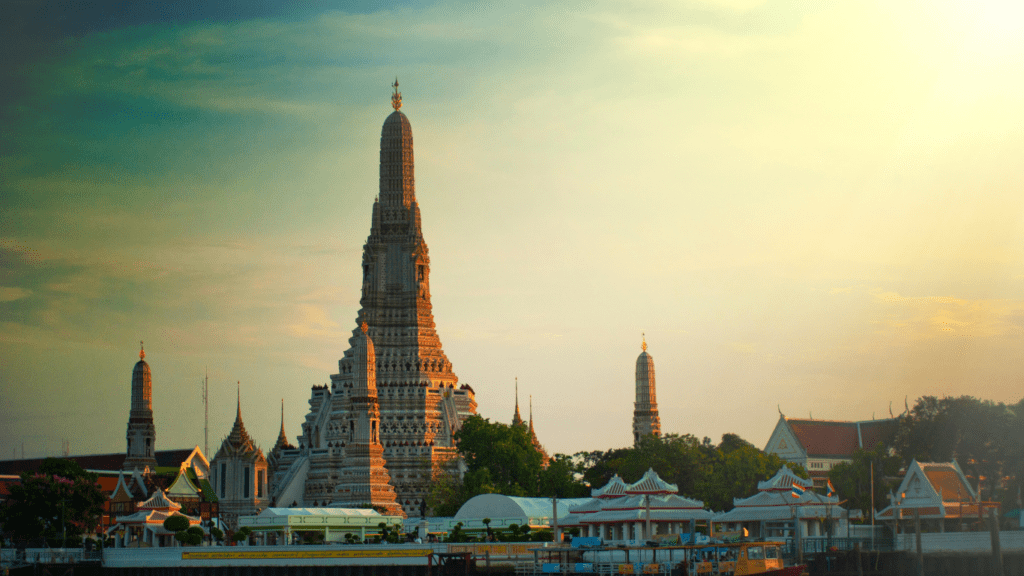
[[191, 536], [852, 480], [500, 459], [984, 437], [701, 470], [57, 500], [242, 534], [176, 523], [736, 466], [506, 452]]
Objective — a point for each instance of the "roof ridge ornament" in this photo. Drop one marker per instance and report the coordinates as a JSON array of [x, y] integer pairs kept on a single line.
[[364, 326], [396, 98]]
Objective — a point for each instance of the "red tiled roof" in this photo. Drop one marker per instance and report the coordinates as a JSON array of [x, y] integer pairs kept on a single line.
[[839, 439], [874, 431], [947, 482], [169, 458]]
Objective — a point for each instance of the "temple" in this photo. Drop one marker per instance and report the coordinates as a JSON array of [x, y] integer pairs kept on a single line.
[[141, 433], [420, 400], [645, 411], [238, 474], [364, 479]]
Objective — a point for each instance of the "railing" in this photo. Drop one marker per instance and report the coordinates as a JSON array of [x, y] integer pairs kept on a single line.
[[824, 544], [451, 412], [292, 470]]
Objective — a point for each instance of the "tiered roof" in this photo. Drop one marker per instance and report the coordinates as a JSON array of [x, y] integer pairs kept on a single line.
[[775, 500], [238, 442], [651, 483], [617, 502]]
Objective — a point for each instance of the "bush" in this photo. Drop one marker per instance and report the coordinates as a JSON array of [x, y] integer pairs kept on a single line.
[[176, 523]]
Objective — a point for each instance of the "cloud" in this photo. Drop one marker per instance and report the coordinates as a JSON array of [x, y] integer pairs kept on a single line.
[[925, 317], [10, 293]]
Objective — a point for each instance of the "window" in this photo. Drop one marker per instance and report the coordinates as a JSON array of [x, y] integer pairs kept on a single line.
[[755, 553], [245, 482], [149, 447], [771, 552], [261, 478], [223, 478]]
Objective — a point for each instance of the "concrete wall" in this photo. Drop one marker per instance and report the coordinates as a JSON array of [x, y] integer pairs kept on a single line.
[[975, 542]]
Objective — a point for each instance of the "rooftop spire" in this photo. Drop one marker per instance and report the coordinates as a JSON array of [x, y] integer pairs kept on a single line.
[[396, 98], [142, 351], [643, 342], [516, 418], [282, 438], [238, 437]]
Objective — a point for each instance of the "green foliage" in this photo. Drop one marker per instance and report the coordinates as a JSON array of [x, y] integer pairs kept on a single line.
[[217, 533], [500, 459], [985, 438], [59, 497], [191, 536], [242, 534], [456, 534], [714, 474], [176, 523], [852, 480]]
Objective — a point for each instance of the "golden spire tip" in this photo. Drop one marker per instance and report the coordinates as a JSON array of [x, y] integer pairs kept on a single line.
[[142, 351], [396, 98]]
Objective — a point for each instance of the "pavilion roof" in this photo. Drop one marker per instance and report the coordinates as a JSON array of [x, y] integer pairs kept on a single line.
[[651, 483], [784, 480], [613, 489]]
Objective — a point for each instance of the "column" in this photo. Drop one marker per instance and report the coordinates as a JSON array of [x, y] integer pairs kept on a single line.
[[639, 531]]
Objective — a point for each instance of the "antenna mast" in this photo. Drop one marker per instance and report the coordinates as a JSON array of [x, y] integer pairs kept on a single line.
[[206, 414]]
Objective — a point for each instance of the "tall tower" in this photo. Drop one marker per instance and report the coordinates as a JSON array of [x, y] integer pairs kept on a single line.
[[645, 410], [141, 433], [364, 479], [421, 405]]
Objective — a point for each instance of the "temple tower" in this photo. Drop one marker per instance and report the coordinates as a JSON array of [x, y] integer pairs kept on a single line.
[[364, 478], [141, 431], [516, 418], [238, 474], [645, 410], [421, 404]]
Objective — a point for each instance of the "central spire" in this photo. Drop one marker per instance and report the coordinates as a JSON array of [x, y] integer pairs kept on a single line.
[[421, 404]]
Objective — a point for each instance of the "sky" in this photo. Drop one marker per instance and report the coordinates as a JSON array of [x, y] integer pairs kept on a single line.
[[811, 208]]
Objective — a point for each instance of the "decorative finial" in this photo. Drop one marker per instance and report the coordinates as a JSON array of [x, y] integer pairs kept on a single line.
[[364, 327], [142, 351], [396, 98], [643, 342]]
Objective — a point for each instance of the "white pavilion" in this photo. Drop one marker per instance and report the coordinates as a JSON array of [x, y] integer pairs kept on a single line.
[[776, 511], [648, 509]]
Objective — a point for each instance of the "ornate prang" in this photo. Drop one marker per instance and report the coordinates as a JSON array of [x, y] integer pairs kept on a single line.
[[416, 403], [396, 98]]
